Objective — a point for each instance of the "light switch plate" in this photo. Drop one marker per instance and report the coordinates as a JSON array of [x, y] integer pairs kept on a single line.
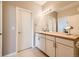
[[13, 28]]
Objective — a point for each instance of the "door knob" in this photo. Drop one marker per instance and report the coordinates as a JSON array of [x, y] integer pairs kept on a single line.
[[19, 32], [0, 33]]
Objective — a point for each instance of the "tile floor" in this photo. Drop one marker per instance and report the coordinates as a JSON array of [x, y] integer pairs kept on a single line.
[[32, 52]]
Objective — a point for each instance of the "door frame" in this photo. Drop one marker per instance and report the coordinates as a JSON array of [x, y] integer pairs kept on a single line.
[[17, 28], [1, 26]]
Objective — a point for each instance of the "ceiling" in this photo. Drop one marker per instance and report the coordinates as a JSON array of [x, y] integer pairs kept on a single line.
[[40, 2]]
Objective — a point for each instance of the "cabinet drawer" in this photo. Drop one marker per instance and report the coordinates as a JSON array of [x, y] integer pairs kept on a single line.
[[50, 49], [64, 51], [37, 40], [50, 37], [65, 42]]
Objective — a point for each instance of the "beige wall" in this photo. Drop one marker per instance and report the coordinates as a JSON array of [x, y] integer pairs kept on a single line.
[[9, 34], [69, 12], [9, 18]]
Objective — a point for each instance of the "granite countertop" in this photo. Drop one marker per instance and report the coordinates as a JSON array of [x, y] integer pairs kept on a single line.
[[61, 35]]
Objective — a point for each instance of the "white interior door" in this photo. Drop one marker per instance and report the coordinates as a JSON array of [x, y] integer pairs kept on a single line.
[[0, 28], [24, 29]]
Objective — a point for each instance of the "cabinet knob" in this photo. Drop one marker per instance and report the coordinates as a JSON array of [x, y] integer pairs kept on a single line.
[[54, 44], [77, 44]]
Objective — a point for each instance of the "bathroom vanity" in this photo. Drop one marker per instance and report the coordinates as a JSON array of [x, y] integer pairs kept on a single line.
[[56, 44]]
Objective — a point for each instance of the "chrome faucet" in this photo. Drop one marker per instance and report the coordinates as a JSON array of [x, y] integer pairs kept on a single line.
[[67, 29], [45, 29]]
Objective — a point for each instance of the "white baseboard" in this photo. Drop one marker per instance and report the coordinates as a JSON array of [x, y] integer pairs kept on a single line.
[[11, 55]]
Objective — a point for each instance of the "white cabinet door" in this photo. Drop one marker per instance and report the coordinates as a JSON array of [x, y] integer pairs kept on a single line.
[[42, 44], [64, 51], [37, 41], [50, 48], [0, 45]]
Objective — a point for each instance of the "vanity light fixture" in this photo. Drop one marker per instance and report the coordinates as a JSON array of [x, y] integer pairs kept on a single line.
[[48, 11]]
